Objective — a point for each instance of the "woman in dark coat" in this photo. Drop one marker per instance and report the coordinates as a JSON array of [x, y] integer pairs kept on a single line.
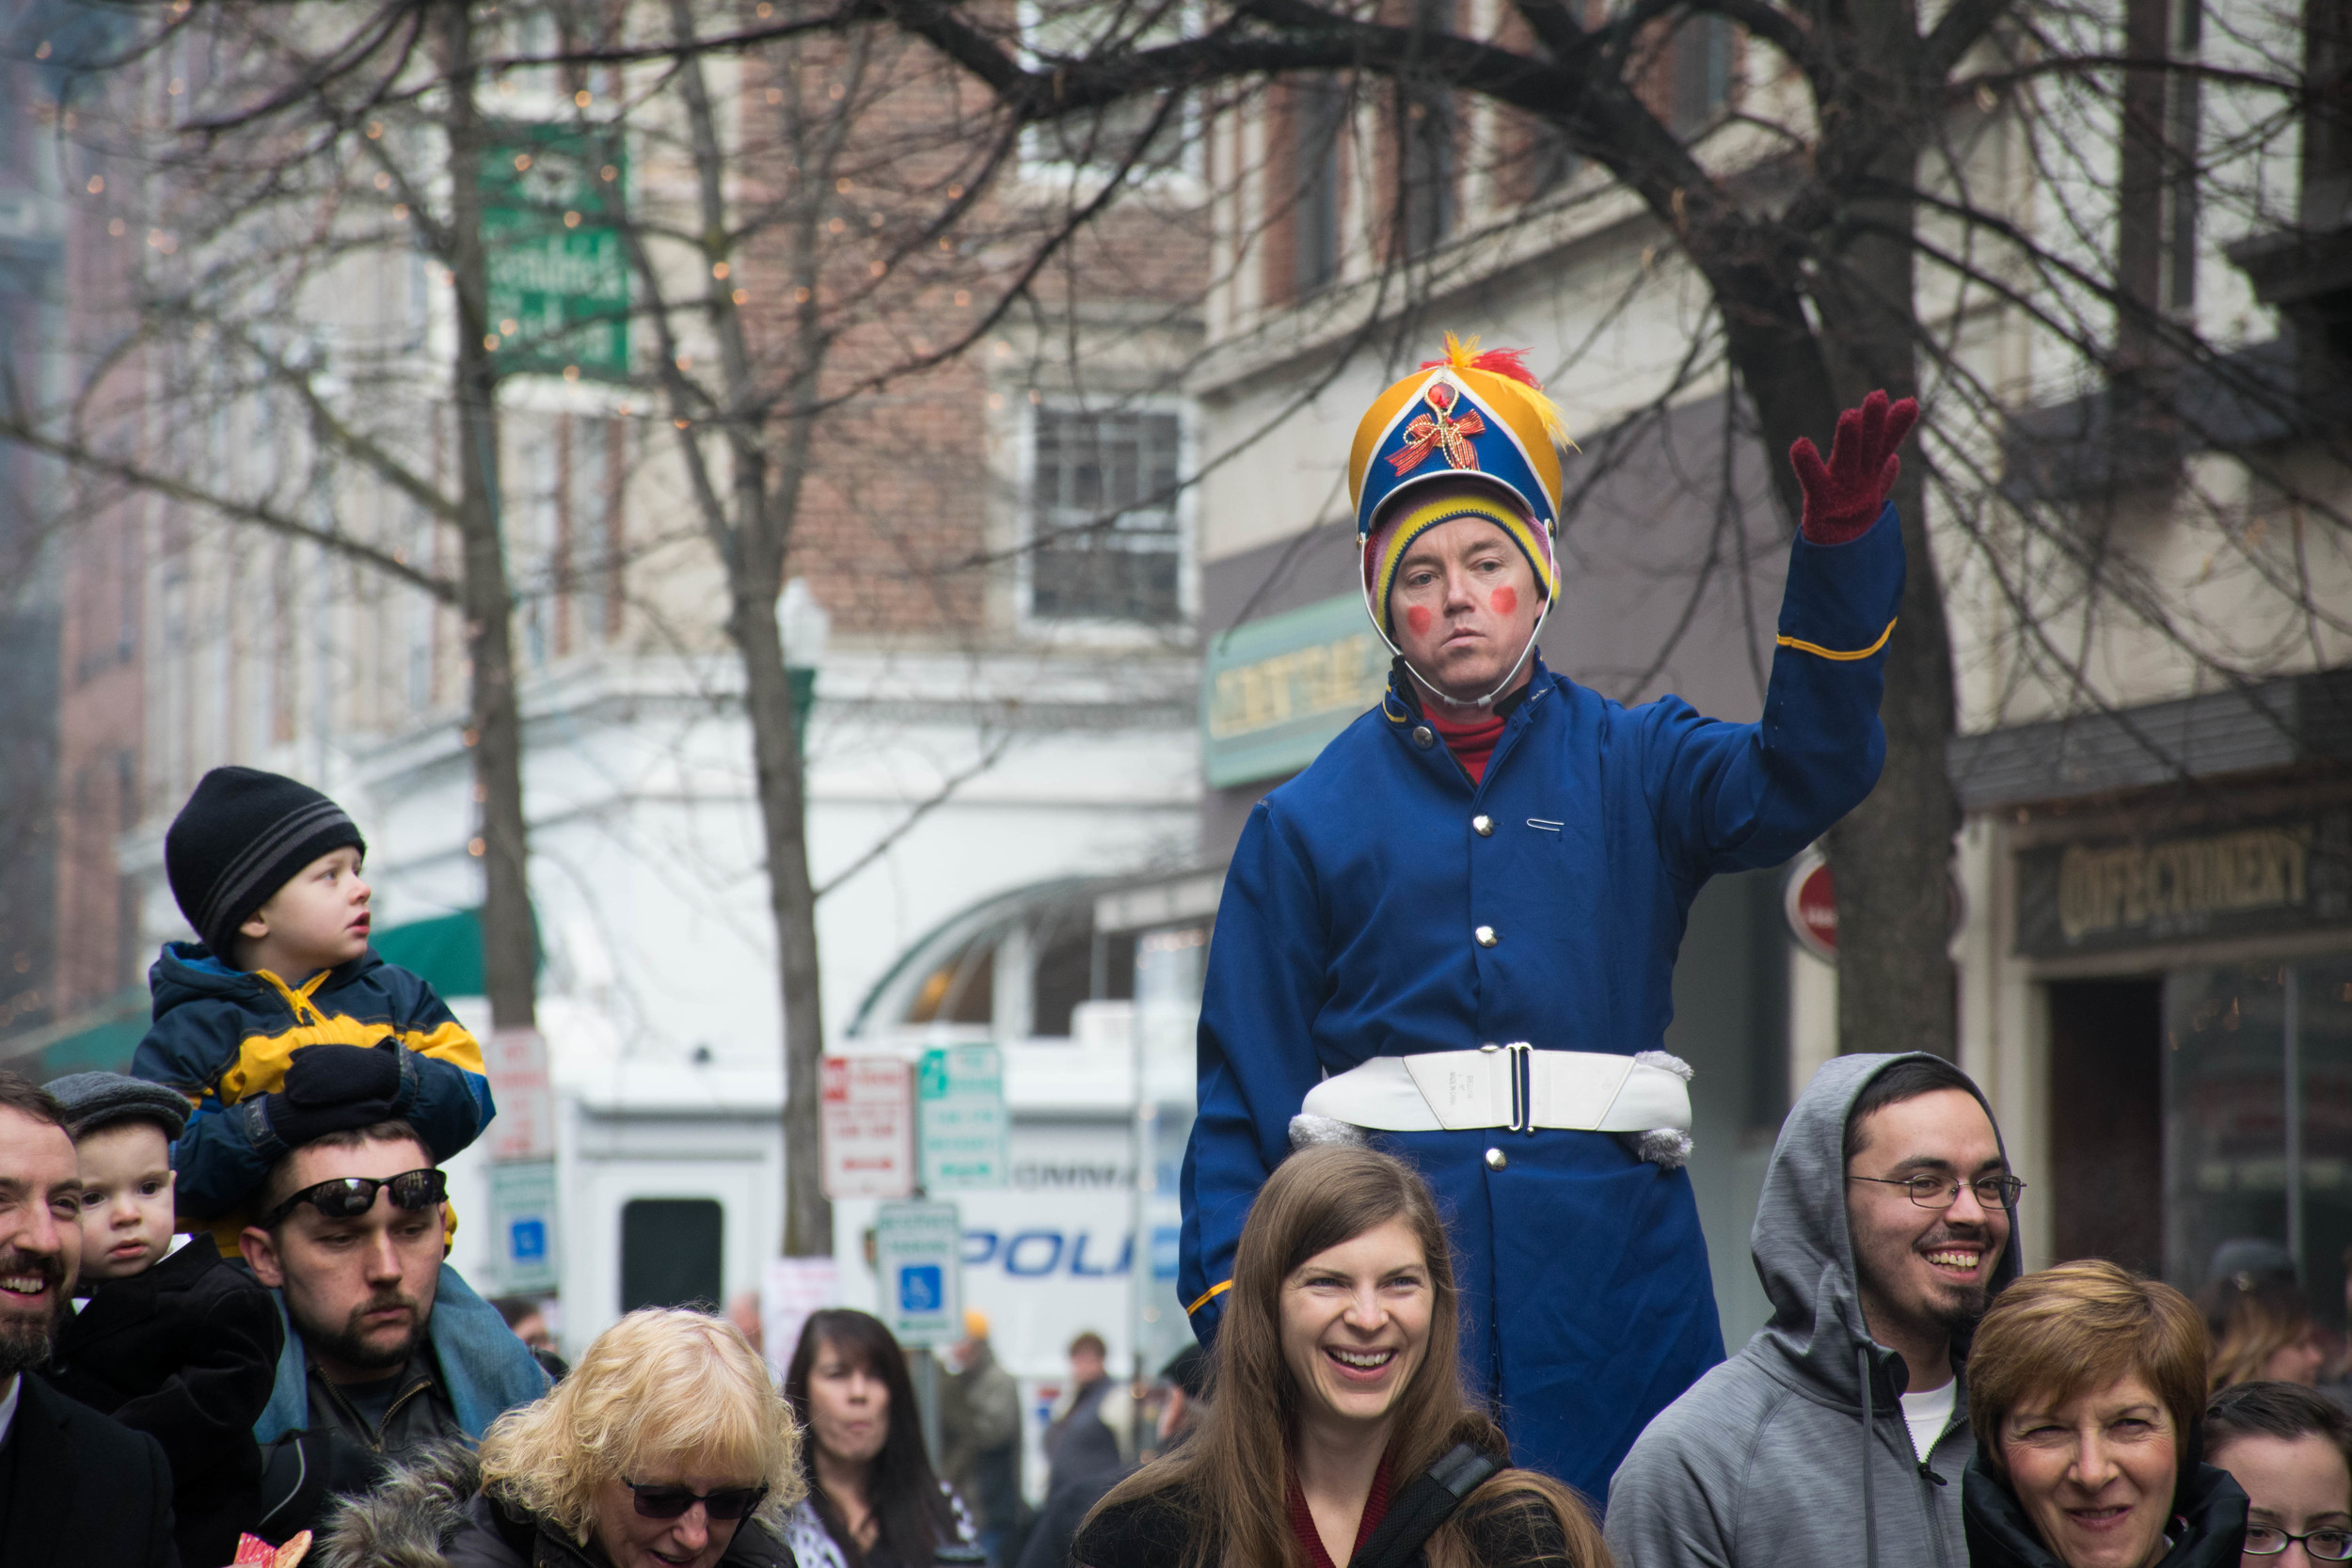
[[2087, 1388], [1336, 1393], [667, 1447]]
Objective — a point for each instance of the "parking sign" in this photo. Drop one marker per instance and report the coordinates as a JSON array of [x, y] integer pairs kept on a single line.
[[917, 1251], [522, 1216], [964, 1127]]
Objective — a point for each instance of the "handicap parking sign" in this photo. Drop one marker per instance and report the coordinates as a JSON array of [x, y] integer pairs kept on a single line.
[[917, 1248], [920, 1288], [527, 1241]]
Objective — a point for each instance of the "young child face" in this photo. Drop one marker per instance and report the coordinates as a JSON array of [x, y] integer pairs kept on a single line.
[[126, 1199], [319, 919]]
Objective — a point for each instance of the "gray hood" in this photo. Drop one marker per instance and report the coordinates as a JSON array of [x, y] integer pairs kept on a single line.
[[1804, 1251], [1787, 1455]]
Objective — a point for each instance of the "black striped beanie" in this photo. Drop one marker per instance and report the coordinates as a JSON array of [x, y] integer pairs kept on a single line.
[[240, 838]]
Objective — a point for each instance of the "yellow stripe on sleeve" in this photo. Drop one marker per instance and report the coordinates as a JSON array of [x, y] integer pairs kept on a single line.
[[1208, 1295], [1815, 649]]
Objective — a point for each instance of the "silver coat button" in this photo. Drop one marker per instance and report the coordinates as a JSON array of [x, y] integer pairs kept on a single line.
[[1423, 737], [1483, 825], [1495, 1159], [1486, 935]]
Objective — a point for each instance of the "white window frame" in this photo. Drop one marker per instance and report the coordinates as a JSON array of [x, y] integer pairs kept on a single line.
[[1107, 629]]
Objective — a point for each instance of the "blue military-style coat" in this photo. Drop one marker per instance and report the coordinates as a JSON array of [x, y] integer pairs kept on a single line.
[[1347, 932]]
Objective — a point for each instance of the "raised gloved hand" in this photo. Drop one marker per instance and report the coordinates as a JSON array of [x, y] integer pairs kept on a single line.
[[1844, 495], [332, 1088]]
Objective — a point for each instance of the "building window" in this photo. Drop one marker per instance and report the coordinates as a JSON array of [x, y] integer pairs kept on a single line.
[[1318, 117], [1702, 71], [586, 549], [671, 1249], [1105, 536], [1428, 148], [1144, 136], [2258, 1118], [2155, 187]]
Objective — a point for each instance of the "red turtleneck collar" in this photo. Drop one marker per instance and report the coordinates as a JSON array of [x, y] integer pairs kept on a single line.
[[1375, 1508], [1472, 740]]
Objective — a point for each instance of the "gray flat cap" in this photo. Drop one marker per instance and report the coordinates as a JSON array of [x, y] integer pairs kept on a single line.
[[96, 1099]]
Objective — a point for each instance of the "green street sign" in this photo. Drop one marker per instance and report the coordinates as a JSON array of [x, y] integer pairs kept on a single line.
[[559, 273], [960, 1122]]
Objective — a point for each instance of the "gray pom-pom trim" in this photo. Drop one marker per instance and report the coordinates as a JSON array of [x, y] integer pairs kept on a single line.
[[1308, 1132], [1667, 1147], [1666, 1059]]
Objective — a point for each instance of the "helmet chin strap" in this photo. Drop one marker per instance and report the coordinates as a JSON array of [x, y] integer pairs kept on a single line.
[[1439, 692]]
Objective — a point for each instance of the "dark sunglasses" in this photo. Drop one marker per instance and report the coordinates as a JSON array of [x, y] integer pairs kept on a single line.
[[347, 1198], [669, 1502]]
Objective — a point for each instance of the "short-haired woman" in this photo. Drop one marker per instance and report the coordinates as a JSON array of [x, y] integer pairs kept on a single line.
[[873, 1500], [667, 1447], [1337, 1385], [2086, 1387], [2287, 1446]]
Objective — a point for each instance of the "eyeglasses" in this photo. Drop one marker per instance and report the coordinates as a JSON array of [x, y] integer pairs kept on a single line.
[[670, 1502], [1930, 1191], [346, 1198], [2326, 1546]]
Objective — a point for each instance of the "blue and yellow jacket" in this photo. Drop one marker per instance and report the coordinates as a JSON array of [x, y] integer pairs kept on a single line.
[[1384, 903], [223, 1037]]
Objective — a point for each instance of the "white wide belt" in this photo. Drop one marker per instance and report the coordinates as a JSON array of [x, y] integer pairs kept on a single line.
[[1513, 1086]]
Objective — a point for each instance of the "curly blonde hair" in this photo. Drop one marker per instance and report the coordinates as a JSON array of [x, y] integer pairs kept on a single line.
[[661, 1389]]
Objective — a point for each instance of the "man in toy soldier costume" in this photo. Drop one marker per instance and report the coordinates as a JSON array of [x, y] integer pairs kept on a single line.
[[1456, 933]]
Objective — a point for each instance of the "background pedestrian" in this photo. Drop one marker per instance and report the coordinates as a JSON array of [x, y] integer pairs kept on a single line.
[[873, 1500]]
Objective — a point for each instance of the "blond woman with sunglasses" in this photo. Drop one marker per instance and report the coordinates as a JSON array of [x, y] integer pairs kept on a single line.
[[667, 1447]]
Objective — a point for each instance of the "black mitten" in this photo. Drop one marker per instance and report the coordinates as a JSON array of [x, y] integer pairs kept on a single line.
[[333, 1088], [323, 1075]]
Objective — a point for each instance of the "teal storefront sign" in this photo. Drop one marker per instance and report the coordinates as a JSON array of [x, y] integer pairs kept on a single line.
[[558, 270], [1274, 692]]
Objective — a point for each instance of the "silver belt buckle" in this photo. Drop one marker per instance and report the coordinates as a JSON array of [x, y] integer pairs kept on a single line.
[[1522, 1064]]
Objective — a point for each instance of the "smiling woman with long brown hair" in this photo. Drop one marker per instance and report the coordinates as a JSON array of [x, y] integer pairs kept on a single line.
[[1336, 1405]]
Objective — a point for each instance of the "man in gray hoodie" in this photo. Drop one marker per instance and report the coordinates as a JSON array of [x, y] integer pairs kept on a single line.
[[1840, 1433]]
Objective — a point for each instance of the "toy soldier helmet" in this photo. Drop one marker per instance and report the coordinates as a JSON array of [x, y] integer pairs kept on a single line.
[[1468, 414]]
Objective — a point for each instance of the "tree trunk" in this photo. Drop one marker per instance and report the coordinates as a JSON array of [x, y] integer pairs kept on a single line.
[[1896, 987], [1892, 854], [493, 729], [752, 548], [791, 898]]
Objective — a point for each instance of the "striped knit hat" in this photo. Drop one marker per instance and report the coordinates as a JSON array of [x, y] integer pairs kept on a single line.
[[241, 837], [1467, 414]]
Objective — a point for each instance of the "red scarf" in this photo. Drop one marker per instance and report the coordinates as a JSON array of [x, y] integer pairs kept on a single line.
[[1376, 1504], [1470, 741]]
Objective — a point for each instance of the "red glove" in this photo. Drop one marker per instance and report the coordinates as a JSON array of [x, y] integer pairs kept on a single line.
[[1844, 496]]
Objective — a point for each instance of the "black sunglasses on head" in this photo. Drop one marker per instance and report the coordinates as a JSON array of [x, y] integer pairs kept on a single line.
[[670, 1502], [346, 1198]]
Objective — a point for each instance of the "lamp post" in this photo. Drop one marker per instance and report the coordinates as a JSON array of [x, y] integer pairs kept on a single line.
[[807, 628]]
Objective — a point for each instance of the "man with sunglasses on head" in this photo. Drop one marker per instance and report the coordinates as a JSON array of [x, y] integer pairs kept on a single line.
[[387, 1349], [1840, 1433]]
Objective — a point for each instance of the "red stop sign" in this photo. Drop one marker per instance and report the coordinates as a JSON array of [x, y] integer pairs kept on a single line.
[[1809, 900], [1813, 909]]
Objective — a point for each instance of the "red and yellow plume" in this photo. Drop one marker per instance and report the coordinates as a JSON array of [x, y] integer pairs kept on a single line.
[[1510, 364]]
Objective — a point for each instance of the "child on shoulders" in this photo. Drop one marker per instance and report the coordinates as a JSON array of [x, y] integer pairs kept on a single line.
[[282, 1023]]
